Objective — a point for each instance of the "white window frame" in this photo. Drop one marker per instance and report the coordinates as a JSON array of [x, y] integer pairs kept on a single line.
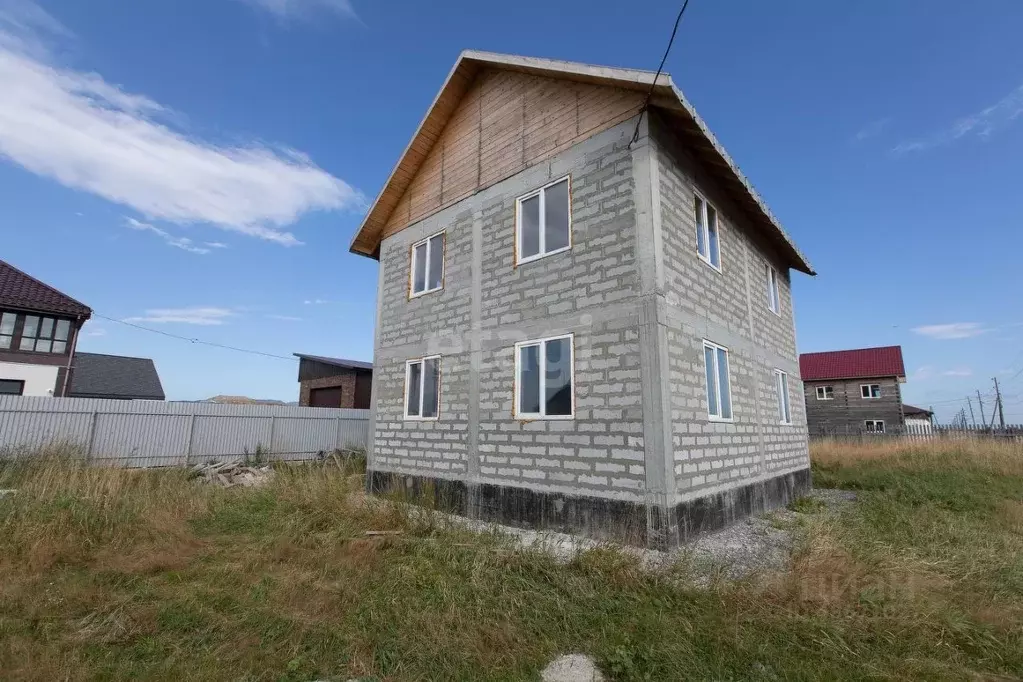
[[870, 391], [875, 422], [542, 237], [717, 379], [412, 265], [705, 227], [781, 384], [773, 289], [422, 385], [542, 343], [822, 393]]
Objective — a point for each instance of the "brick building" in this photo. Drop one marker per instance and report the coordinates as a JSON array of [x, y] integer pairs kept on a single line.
[[334, 382], [584, 313]]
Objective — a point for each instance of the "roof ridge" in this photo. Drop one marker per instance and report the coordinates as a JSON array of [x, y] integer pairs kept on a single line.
[[114, 355], [45, 285]]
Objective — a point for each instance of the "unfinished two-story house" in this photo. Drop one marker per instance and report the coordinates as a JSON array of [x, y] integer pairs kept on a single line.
[[584, 318]]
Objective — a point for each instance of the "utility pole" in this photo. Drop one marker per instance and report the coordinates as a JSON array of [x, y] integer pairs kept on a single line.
[[973, 418], [998, 397], [983, 419]]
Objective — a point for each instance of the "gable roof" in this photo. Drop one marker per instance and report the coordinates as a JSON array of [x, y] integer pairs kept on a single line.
[[336, 362], [19, 290], [909, 410], [95, 375], [665, 96], [862, 363]]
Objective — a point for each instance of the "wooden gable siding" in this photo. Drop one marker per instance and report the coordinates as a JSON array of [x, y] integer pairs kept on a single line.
[[505, 122]]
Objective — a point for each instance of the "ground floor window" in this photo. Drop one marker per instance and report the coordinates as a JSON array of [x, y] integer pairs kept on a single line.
[[544, 378], [874, 425], [422, 388], [11, 387], [719, 388], [781, 380]]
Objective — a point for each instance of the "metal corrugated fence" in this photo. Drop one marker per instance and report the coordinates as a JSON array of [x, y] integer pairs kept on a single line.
[[145, 433]]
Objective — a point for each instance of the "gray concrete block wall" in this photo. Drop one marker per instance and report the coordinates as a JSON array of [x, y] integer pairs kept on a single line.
[[728, 307]]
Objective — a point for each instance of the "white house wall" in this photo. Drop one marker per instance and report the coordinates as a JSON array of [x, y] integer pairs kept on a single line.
[[40, 380]]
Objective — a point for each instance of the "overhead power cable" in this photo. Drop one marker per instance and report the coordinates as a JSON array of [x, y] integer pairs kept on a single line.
[[197, 341], [650, 92]]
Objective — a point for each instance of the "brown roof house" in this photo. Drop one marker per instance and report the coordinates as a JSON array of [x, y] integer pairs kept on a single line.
[[334, 382], [584, 316], [854, 391], [38, 331]]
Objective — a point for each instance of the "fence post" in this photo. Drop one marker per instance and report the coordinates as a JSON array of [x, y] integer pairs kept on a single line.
[[273, 425], [92, 435], [191, 438], [337, 433]]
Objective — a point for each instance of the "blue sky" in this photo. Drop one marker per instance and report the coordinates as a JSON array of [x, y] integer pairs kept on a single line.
[[199, 166]]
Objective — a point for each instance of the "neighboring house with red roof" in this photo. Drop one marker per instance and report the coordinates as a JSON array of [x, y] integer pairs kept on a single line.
[[853, 391], [38, 331]]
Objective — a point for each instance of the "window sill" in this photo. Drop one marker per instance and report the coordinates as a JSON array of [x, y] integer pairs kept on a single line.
[[721, 420], [424, 293], [544, 418], [541, 256], [421, 419], [708, 263]]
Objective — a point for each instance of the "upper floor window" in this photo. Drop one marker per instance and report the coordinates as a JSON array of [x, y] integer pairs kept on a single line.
[[870, 391], [44, 334], [825, 393], [782, 386], [7, 321], [428, 265], [543, 222], [773, 298], [719, 385], [34, 333], [707, 232], [544, 378], [422, 388]]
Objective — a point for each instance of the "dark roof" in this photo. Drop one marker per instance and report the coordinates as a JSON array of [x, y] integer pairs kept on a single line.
[[114, 376], [18, 290], [910, 410], [863, 363], [337, 362]]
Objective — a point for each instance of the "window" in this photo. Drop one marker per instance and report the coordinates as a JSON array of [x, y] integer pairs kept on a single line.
[[11, 387], [543, 222], [544, 377], [44, 334], [428, 265], [874, 425], [422, 388], [825, 393], [719, 389], [773, 299], [870, 391], [707, 232], [782, 386], [7, 330]]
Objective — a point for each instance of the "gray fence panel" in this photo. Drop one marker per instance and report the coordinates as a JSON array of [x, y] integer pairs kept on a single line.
[[144, 433]]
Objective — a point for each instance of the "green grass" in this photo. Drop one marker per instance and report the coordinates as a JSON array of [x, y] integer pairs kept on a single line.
[[124, 575]]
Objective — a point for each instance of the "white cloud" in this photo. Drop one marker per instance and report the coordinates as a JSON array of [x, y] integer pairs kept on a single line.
[[285, 318], [922, 373], [872, 129], [289, 9], [215, 245], [958, 372], [76, 128], [98, 331], [183, 243], [983, 124], [954, 330], [316, 301], [199, 315]]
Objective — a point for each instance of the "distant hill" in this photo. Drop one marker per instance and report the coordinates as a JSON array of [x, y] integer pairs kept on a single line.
[[242, 400]]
